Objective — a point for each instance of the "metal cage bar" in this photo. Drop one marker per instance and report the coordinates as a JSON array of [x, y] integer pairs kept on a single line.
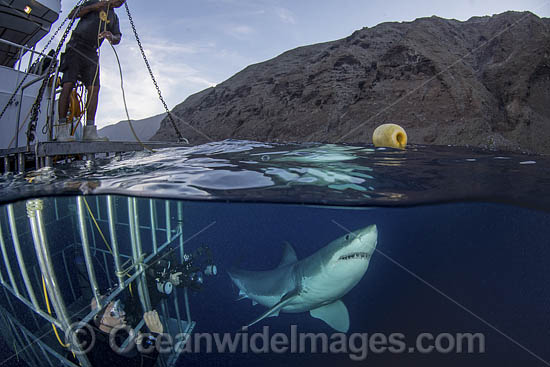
[[20, 259], [34, 212], [7, 264], [114, 241], [153, 215], [180, 226], [168, 223], [61, 319], [46, 348], [86, 248]]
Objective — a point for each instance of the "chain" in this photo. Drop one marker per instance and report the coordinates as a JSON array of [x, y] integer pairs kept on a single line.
[[36, 106], [10, 102], [170, 117]]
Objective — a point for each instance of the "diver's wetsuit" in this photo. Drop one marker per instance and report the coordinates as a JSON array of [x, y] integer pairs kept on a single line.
[[81, 61], [101, 354]]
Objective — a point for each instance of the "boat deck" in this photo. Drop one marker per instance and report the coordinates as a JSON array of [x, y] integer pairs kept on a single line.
[[42, 154]]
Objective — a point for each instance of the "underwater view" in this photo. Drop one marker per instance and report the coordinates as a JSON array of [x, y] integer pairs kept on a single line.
[[271, 254]]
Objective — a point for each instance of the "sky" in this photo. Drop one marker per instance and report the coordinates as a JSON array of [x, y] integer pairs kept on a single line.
[[195, 44]]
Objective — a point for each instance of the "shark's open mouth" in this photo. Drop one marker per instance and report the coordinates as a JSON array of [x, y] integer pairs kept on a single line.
[[355, 255]]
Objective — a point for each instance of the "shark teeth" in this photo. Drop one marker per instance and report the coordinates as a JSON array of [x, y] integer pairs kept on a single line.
[[355, 255]]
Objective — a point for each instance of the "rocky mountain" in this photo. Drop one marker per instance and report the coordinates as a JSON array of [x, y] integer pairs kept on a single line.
[[482, 82], [144, 128]]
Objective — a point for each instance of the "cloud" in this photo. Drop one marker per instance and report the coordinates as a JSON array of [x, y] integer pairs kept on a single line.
[[285, 15], [176, 79], [240, 32]]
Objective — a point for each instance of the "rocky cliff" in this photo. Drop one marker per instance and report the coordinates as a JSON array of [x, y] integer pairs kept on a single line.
[[144, 128], [482, 82]]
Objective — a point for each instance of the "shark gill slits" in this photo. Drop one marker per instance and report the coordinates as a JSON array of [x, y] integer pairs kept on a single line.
[[355, 255]]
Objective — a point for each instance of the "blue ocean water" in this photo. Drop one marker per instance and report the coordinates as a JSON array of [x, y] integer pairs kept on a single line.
[[463, 242]]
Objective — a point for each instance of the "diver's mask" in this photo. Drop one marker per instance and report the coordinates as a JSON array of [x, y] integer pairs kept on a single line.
[[117, 310]]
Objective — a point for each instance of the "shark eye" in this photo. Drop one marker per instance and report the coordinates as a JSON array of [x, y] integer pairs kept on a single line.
[[347, 237]]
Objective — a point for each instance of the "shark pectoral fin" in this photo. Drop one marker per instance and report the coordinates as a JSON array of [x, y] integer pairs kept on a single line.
[[274, 311], [335, 314], [289, 256]]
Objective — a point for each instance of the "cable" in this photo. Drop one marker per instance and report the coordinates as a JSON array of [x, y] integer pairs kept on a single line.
[[124, 100], [50, 312], [97, 226]]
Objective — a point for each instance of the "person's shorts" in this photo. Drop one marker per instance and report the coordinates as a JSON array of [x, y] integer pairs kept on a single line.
[[78, 65]]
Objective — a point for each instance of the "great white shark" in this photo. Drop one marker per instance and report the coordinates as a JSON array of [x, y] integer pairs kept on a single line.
[[316, 283]]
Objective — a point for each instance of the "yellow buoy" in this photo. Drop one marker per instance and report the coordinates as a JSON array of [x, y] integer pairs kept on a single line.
[[390, 136]]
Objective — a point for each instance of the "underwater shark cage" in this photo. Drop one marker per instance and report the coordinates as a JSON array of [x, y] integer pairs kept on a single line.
[[59, 253]]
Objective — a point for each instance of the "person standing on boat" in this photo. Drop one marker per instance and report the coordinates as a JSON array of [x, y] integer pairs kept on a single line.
[[98, 21]]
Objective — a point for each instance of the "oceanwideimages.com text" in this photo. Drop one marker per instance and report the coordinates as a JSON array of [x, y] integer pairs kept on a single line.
[[356, 345]]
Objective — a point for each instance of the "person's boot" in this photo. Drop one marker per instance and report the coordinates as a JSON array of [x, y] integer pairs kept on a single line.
[[63, 132], [90, 134]]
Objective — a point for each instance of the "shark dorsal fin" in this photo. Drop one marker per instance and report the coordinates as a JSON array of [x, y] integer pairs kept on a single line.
[[289, 256], [335, 314]]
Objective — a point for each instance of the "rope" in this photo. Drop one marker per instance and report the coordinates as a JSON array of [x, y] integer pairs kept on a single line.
[[85, 110], [125, 105]]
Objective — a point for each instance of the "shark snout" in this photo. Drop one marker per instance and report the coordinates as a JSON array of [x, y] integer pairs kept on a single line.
[[372, 229], [369, 237]]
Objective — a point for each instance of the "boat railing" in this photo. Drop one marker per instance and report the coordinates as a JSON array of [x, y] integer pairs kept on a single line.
[[40, 78], [22, 50]]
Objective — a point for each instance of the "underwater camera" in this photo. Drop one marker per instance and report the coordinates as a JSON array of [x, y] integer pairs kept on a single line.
[[167, 273]]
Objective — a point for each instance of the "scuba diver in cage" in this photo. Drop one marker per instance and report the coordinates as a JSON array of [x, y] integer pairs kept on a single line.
[[103, 338]]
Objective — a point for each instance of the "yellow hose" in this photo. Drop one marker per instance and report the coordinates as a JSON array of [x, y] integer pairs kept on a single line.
[[389, 135], [125, 272], [74, 105], [97, 225], [50, 313]]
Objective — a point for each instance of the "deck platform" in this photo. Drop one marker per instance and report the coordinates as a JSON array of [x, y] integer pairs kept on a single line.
[[42, 154]]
